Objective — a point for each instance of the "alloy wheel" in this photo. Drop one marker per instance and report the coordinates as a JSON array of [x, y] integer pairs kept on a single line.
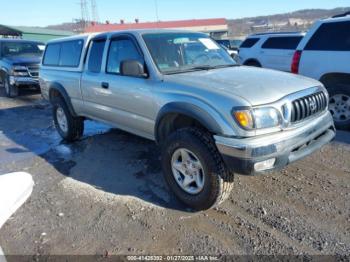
[[62, 119], [339, 105], [188, 171]]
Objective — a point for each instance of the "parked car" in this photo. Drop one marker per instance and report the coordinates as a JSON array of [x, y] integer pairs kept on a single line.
[[210, 117], [324, 54], [231, 46], [233, 54], [270, 50], [19, 64]]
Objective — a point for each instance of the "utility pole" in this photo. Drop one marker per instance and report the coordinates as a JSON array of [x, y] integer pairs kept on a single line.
[[94, 12], [85, 18]]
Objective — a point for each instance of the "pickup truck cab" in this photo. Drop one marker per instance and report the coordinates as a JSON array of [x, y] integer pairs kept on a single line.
[[19, 64], [211, 117]]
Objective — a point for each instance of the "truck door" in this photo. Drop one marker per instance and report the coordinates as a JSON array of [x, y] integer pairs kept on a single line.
[[125, 102]]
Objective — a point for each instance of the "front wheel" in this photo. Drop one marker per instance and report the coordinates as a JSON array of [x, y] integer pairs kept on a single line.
[[194, 170], [69, 127], [339, 106]]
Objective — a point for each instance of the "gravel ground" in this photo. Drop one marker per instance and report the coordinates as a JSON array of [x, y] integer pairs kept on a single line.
[[105, 195]]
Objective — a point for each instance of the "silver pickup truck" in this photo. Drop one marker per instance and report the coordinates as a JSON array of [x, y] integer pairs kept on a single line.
[[211, 117]]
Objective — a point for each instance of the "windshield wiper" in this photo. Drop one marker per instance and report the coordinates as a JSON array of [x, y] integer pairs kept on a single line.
[[223, 66], [190, 69], [199, 68], [208, 67]]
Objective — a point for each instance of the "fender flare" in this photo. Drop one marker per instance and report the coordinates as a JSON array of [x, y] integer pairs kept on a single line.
[[62, 91], [189, 110]]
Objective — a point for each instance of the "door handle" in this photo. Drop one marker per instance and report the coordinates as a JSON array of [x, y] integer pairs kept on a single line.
[[105, 85]]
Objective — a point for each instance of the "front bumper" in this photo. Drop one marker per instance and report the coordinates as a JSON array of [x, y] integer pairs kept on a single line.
[[23, 81], [242, 154]]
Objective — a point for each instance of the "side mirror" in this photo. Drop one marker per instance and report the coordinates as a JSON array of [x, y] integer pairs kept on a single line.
[[132, 68]]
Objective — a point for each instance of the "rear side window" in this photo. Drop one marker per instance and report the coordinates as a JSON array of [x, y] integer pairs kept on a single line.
[[96, 56], [250, 42], [331, 37], [65, 54], [119, 51], [52, 55], [288, 43]]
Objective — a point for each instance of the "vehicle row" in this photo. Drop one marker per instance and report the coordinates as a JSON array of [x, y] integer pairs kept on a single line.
[[323, 53]]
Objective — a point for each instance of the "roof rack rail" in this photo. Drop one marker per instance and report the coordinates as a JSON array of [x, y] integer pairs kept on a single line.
[[341, 15], [277, 33]]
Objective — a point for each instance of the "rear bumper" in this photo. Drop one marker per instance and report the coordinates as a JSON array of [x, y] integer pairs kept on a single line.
[[20, 81], [242, 155]]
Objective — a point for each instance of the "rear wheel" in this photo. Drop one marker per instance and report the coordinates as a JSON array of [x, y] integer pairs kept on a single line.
[[10, 90], [253, 63], [339, 105], [194, 169], [69, 127]]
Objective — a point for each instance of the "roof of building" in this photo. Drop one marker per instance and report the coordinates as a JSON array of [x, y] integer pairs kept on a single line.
[[154, 25], [17, 30], [19, 40]]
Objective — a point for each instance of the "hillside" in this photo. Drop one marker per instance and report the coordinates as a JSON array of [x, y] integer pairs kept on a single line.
[[296, 21]]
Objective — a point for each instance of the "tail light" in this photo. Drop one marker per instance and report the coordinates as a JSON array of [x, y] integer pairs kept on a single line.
[[296, 62]]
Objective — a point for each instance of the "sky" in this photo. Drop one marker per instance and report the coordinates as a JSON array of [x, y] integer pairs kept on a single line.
[[49, 12]]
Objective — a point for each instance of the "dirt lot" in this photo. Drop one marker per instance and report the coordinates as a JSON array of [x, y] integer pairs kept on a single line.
[[105, 194]]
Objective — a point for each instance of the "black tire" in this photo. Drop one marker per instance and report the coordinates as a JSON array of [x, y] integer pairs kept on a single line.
[[11, 91], [340, 91], [75, 125], [218, 180], [253, 63]]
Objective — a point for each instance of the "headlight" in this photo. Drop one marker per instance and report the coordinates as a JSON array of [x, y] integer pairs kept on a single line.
[[20, 71], [258, 118]]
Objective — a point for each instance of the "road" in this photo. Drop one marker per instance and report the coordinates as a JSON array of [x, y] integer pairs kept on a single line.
[[106, 195]]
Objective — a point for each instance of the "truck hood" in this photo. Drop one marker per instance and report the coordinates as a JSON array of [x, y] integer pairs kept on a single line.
[[257, 86], [22, 60]]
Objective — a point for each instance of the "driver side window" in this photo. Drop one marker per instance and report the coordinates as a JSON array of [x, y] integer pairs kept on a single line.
[[121, 50]]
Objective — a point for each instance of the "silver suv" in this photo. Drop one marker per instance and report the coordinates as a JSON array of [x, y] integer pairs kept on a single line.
[[211, 117]]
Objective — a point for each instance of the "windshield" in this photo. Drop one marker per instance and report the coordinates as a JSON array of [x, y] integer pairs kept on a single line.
[[21, 49], [183, 52]]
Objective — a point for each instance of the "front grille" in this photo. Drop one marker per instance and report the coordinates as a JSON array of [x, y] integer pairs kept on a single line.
[[308, 106], [33, 71]]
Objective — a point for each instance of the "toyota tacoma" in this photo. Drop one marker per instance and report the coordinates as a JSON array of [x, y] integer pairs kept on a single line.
[[211, 118]]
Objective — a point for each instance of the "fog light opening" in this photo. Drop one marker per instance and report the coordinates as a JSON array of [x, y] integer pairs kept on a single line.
[[265, 165], [12, 80]]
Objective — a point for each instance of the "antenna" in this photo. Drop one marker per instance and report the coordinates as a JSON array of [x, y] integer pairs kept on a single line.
[[156, 6]]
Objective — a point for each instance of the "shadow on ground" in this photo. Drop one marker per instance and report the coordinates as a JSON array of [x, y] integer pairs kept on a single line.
[[107, 159]]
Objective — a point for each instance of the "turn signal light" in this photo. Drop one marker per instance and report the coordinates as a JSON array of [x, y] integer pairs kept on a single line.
[[244, 118]]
